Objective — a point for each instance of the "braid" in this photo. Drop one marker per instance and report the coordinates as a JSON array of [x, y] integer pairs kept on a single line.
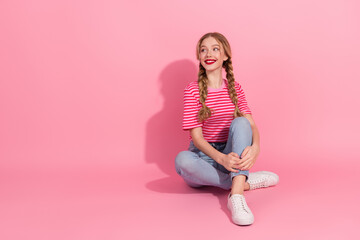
[[204, 112], [231, 86]]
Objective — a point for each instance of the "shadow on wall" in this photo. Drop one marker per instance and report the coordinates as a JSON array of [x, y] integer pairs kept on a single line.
[[164, 134]]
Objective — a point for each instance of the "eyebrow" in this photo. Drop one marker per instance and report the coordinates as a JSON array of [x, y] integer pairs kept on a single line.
[[211, 45]]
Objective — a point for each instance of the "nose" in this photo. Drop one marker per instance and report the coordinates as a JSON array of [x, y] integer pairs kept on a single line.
[[208, 53]]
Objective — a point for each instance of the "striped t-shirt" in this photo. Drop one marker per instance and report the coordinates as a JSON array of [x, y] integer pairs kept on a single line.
[[215, 128]]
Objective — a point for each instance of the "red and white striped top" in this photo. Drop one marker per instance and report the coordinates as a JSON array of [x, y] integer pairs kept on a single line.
[[215, 128]]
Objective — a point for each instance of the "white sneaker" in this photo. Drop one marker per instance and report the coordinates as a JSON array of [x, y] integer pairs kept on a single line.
[[262, 179], [241, 213]]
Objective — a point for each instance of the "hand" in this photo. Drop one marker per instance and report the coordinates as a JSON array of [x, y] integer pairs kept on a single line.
[[231, 162], [248, 157]]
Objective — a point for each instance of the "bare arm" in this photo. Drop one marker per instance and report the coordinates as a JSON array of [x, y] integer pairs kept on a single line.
[[250, 153], [256, 135]]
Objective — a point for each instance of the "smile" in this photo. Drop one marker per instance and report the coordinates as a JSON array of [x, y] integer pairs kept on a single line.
[[209, 62]]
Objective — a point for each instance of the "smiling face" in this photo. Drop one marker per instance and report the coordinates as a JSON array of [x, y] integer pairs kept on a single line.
[[211, 54]]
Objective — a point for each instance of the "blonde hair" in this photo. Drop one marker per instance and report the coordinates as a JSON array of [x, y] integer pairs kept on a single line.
[[205, 112]]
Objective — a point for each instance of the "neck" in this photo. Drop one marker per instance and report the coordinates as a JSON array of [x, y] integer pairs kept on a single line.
[[215, 78]]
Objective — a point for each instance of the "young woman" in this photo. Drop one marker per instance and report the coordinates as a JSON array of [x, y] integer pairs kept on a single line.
[[224, 140]]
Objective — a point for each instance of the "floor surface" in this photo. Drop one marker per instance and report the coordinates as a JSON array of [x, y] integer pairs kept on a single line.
[[116, 204]]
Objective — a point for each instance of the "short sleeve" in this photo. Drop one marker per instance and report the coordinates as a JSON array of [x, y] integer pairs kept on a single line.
[[191, 109], [242, 103]]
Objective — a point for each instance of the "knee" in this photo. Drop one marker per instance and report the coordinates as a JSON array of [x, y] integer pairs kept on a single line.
[[184, 162], [240, 123]]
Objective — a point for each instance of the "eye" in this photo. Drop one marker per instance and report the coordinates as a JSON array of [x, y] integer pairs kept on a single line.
[[217, 49]]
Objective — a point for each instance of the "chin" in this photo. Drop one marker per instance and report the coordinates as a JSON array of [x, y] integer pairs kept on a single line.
[[211, 69]]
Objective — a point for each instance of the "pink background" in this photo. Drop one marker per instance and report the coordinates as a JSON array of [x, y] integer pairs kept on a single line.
[[91, 107]]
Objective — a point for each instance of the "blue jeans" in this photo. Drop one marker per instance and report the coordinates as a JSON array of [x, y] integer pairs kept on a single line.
[[197, 169]]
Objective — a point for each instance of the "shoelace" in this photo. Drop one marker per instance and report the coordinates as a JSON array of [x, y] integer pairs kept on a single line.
[[239, 205], [258, 183]]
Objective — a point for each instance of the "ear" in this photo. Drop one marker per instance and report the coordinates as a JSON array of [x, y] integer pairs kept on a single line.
[[225, 58]]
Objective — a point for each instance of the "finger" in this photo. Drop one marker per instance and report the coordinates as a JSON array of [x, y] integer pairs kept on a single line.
[[252, 162], [251, 165], [246, 150], [245, 163], [245, 168], [248, 166], [234, 155], [244, 160], [235, 161], [233, 170], [237, 166]]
